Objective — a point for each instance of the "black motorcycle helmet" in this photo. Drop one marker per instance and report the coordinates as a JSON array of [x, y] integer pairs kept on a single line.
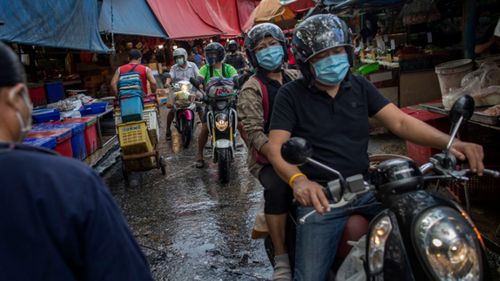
[[319, 33], [216, 48], [259, 32], [232, 46]]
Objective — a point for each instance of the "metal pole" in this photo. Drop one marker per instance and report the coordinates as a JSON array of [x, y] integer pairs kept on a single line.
[[469, 23]]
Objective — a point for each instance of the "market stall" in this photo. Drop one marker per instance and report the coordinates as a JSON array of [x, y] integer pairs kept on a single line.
[[68, 77], [398, 45]]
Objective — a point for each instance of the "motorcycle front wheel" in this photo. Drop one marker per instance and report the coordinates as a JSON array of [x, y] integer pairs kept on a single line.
[[224, 162]]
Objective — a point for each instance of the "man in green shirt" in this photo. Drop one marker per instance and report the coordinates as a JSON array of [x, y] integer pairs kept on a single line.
[[214, 54]]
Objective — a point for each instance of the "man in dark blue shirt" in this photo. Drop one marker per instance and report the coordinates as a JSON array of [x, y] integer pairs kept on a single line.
[[330, 108], [58, 221]]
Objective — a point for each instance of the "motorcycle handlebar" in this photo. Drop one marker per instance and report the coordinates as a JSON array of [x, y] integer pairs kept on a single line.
[[493, 173], [339, 204], [430, 166]]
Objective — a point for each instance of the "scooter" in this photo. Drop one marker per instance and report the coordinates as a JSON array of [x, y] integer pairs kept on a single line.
[[185, 110], [419, 235], [222, 121]]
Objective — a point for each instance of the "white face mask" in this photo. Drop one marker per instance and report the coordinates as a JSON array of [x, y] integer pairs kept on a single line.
[[24, 125], [180, 61]]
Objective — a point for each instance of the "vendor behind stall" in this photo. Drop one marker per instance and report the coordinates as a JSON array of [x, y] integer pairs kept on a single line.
[[492, 43]]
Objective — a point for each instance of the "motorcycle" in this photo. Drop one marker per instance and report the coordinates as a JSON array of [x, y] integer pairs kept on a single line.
[[419, 235], [185, 110], [222, 121]]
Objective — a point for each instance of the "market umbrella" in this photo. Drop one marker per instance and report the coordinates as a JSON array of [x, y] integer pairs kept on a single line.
[[271, 11]]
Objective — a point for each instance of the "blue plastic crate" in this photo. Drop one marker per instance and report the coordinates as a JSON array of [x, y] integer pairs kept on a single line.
[[77, 137], [93, 108], [55, 91], [60, 134], [48, 143], [45, 115], [131, 109]]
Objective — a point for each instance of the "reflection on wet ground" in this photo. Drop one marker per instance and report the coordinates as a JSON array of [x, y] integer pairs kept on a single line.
[[189, 225]]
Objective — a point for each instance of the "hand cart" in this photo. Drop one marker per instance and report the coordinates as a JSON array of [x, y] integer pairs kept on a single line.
[[139, 144]]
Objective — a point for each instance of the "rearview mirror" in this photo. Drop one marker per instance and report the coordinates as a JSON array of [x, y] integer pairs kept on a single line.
[[296, 151], [195, 82], [462, 110], [463, 107]]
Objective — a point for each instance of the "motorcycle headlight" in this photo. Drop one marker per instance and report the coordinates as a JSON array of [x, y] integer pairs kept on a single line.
[[221, 122], [221, 104], [448, 245], [376, 244]]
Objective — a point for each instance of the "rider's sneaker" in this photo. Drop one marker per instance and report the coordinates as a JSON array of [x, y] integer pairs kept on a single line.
[[282, 270]]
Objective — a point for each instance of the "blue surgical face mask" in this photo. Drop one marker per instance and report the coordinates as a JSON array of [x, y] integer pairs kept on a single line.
[[331, 70], [271, 57]]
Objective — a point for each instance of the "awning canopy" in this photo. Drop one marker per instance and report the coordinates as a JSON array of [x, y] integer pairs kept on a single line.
[[52, 23], [131, 17], [245, 9], [222, 14], [190, 19], [180, 20]]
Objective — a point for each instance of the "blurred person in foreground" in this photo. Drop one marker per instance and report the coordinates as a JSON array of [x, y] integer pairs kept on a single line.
[[58, 220]]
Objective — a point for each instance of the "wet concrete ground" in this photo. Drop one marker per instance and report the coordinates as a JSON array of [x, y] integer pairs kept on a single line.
[[193, 228], [189, 225]]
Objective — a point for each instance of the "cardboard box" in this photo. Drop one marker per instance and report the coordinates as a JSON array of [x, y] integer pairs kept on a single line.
[[419, 87]]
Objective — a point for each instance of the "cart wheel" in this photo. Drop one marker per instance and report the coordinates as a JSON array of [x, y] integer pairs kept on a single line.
[[162, 165], [125, 173]]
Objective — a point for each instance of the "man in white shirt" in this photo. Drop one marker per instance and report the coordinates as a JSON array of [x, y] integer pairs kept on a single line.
[[182, 70]]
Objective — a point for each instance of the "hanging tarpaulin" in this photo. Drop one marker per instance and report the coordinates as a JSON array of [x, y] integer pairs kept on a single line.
[[68, 24], [190, 19], [245, 9], [222, 14], [180, 20], [131, 17]]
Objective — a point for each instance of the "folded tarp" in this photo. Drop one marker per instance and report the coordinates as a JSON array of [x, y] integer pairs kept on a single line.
[[52, 23]]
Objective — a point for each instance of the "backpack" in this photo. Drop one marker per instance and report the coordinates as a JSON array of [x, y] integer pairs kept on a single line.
[[259, 157], [265, 94], [130, 84], [211, 72]]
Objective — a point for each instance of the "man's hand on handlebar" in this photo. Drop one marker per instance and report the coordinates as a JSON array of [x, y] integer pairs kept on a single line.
[[472, 152], [310, 193]]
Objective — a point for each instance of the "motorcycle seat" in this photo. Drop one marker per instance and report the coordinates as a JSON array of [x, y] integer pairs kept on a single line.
[[355, 228]]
